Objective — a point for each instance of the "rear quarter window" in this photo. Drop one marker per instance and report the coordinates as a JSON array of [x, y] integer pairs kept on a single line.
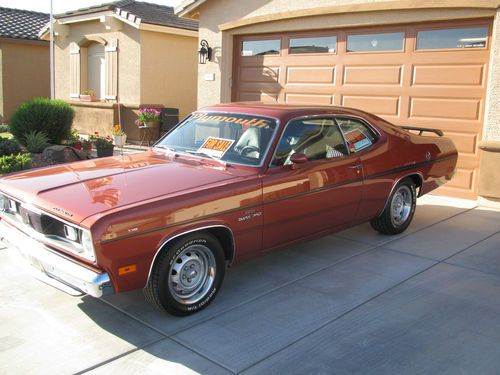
[[357, 134]]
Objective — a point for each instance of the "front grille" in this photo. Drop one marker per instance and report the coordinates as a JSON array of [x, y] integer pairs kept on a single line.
[[44, 227], [31, 219], [38, 221]]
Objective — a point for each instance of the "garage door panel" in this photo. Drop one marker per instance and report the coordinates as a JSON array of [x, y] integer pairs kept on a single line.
[[446, 125], [463, 179], [372, 75], [449, 108], [463, 56], [448, 75], [466, 143], [445, 92], [251, 96], [370, 59], [310, 75], [380, 105], [310, 89], [263, 74], [319, 59], [309, 98]]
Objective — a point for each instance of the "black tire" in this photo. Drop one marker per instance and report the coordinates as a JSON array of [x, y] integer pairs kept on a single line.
[[187, 275], [400, 209]]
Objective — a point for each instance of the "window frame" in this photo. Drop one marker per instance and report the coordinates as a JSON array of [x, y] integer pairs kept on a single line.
[[309, 36], [375, 32], [261, 39], [365, 123], [454, 26], [319, 117]]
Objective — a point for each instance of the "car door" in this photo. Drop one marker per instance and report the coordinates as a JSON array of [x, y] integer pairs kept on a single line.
[[362, 140], [316, 195]]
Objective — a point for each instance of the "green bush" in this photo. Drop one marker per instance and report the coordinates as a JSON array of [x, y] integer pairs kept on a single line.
[[14, 163], [4, 128], [36, 141], [52, 117], [9, 147]]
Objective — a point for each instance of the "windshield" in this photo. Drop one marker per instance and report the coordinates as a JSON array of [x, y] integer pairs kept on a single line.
[[229, 137]]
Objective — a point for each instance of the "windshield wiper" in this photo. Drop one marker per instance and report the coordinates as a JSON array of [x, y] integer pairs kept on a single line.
[[204, 154], [166, 148]]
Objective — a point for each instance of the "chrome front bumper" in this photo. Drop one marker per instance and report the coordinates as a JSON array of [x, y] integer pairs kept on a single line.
[[52, 268]]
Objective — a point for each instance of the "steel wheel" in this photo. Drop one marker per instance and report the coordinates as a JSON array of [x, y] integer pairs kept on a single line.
[[192, 274], [187, 274], [401, 205], [399, 211]]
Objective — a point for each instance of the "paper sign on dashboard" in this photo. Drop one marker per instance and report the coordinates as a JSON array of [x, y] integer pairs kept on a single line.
[[216, 147]]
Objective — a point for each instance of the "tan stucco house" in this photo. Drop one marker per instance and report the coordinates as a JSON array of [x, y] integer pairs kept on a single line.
[[24, 59], [131, 54], [424, 63]]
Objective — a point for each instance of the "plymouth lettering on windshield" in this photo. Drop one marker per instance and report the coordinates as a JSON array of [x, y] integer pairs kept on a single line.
[[254, 121]]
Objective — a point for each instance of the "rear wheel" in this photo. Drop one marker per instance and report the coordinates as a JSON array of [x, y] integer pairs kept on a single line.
[[399, 212], [187, 276]]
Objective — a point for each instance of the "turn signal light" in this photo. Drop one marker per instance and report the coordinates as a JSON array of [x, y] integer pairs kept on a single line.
[[127, 269]]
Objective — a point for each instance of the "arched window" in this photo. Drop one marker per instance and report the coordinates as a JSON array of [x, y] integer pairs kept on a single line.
[[96, 70], [94, 66]]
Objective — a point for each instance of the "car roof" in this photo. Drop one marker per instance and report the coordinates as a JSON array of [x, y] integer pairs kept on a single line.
[[283, 110]]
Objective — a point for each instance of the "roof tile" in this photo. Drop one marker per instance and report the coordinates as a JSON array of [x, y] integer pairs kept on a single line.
[[21, 24], [148, 13]]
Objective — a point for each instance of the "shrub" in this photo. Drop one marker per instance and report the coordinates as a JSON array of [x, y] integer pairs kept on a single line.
[[4, 128], [9, 147], [52, 117], [14, 163], [36, 141]]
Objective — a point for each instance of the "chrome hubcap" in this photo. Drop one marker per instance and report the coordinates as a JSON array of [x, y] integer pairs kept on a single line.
[[192, 274], [401, 205]]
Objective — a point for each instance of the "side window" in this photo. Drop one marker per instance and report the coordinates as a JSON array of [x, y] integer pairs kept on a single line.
[[315, 138], [357, 134]]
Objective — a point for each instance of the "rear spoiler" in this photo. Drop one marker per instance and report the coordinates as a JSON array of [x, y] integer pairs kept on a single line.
[[421, 130]]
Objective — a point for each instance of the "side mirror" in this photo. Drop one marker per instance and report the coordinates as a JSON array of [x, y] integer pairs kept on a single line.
[[298, 158]]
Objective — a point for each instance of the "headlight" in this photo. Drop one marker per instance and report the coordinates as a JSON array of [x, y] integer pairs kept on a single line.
[[71, 233], [87, 246]]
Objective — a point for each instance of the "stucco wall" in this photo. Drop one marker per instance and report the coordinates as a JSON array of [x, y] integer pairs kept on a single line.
[[94, 117], [492, 116], [168, 71], [129, 58], [25, 74]]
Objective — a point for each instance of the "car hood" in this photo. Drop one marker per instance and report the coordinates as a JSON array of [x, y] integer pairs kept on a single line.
[[78, 190]]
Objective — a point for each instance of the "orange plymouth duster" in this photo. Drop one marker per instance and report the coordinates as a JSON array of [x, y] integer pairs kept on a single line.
[[228, 183]]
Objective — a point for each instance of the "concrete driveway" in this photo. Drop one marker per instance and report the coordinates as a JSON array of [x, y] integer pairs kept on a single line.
[[425, 302]]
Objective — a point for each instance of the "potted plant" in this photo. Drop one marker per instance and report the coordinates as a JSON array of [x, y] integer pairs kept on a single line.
[[88, 96], [74, 140], [103, 145], [119, 135], [148, 117]]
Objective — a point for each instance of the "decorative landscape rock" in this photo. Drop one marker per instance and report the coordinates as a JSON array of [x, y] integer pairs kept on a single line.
[[63, 154]]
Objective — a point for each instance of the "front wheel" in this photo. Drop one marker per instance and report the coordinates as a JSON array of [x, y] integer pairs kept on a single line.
[[399, 212], [187, 276]]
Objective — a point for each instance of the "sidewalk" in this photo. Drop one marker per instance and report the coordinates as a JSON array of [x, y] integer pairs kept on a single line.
[[423, 302]]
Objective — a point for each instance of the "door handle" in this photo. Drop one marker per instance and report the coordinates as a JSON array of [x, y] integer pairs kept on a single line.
[[355, 166]]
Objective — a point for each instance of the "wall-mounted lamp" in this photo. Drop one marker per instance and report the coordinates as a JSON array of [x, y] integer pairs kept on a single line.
[[205, 52]]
